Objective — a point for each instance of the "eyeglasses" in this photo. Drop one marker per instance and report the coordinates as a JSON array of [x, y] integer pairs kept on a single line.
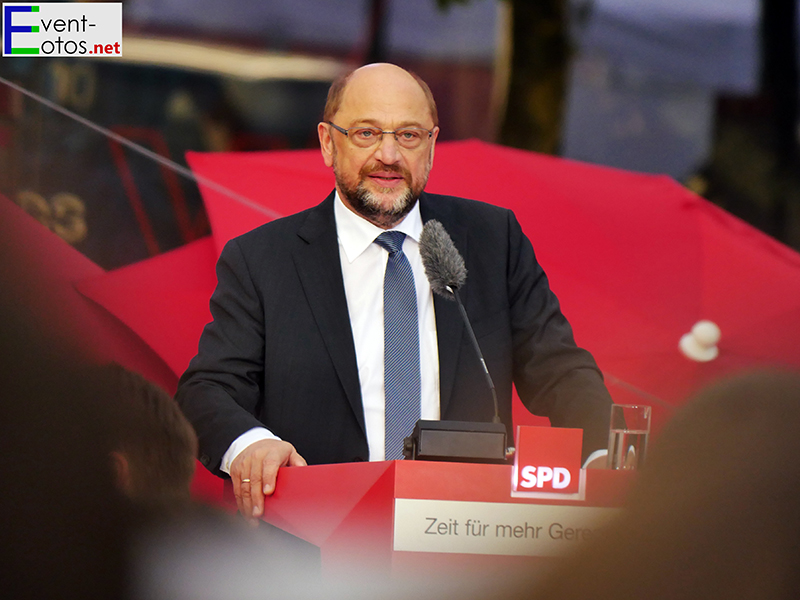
[[409, 138]]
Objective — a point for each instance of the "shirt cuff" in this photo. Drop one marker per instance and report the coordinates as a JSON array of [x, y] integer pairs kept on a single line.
[[256, 434]]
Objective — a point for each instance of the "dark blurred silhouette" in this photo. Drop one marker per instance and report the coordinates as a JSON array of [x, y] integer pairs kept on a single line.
[[63, 525], [66, 530], [154, 445], [714, 514]]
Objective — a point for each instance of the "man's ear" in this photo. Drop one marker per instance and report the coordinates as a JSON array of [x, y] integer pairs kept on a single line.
[[325, 143], [122, 471], [433, 145]]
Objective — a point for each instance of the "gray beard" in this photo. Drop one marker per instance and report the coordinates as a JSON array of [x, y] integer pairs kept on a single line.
[[368, 206]]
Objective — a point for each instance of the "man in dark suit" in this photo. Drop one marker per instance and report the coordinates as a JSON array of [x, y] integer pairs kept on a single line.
[[297, 364]]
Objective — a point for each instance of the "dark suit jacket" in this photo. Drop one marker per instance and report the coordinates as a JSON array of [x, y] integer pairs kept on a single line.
[[280, 351]]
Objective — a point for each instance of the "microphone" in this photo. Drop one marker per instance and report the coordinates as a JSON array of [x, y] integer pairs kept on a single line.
[[444, 265], [459, 441]]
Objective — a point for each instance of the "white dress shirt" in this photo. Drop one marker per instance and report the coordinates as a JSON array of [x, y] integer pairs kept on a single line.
[[363, 267]]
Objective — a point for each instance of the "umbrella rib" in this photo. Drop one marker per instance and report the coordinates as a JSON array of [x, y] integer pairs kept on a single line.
[[170, 164]]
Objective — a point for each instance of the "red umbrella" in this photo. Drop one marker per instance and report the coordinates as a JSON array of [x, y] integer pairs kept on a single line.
[[38, 270], [163, 299], [635, 259]]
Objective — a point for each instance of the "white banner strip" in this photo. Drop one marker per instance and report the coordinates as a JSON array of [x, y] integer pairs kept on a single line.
[[494, 528]]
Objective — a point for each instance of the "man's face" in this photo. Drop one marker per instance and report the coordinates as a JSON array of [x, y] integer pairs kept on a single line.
[[383, 182]]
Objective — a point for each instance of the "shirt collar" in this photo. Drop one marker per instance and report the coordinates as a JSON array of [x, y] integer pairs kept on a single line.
[[356, 233]]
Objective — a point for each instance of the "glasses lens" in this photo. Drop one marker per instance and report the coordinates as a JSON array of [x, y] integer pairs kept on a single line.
[[411, 138], [365, 137]]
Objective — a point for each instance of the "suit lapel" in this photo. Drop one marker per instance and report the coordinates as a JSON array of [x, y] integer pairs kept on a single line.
[[320, 272], [449, 325]]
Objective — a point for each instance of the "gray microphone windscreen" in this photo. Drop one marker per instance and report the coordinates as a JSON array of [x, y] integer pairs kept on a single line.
[[443, 264]]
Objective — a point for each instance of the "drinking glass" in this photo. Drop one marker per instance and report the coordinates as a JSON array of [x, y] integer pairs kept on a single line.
[[627, 439]]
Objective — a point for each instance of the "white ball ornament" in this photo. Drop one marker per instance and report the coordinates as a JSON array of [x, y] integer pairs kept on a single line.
[[700, 344]]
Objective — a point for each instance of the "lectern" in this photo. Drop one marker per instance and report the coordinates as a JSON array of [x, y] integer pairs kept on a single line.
[[401, 517]]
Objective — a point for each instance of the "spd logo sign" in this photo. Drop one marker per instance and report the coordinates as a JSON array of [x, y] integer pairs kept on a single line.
[[547, 461]]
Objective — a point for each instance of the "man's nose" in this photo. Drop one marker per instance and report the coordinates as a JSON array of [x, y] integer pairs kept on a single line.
[[388, 151]]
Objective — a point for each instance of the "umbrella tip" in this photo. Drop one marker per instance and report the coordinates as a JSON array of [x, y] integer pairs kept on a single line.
[[700, 344]]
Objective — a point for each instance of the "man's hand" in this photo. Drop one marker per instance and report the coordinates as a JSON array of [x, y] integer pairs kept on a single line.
[[255, 470]]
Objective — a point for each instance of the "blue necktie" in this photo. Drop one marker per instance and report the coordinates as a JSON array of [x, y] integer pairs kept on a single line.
[[401, 345]]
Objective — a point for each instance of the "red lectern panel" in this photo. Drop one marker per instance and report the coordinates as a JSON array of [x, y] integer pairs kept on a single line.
[[401, 516]]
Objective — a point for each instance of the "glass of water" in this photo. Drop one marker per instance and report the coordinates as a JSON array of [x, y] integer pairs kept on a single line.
[[627, 439]]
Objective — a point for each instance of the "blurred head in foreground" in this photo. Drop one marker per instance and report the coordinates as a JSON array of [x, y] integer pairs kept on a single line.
[[63, 525], [714, 514], [155, 446]]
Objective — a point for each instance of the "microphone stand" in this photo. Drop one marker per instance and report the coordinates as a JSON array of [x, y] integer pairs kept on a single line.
[[474, 340], [461, 441]]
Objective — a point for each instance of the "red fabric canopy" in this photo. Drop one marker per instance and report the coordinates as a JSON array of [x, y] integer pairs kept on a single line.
[[39, 270], [163, 299]]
